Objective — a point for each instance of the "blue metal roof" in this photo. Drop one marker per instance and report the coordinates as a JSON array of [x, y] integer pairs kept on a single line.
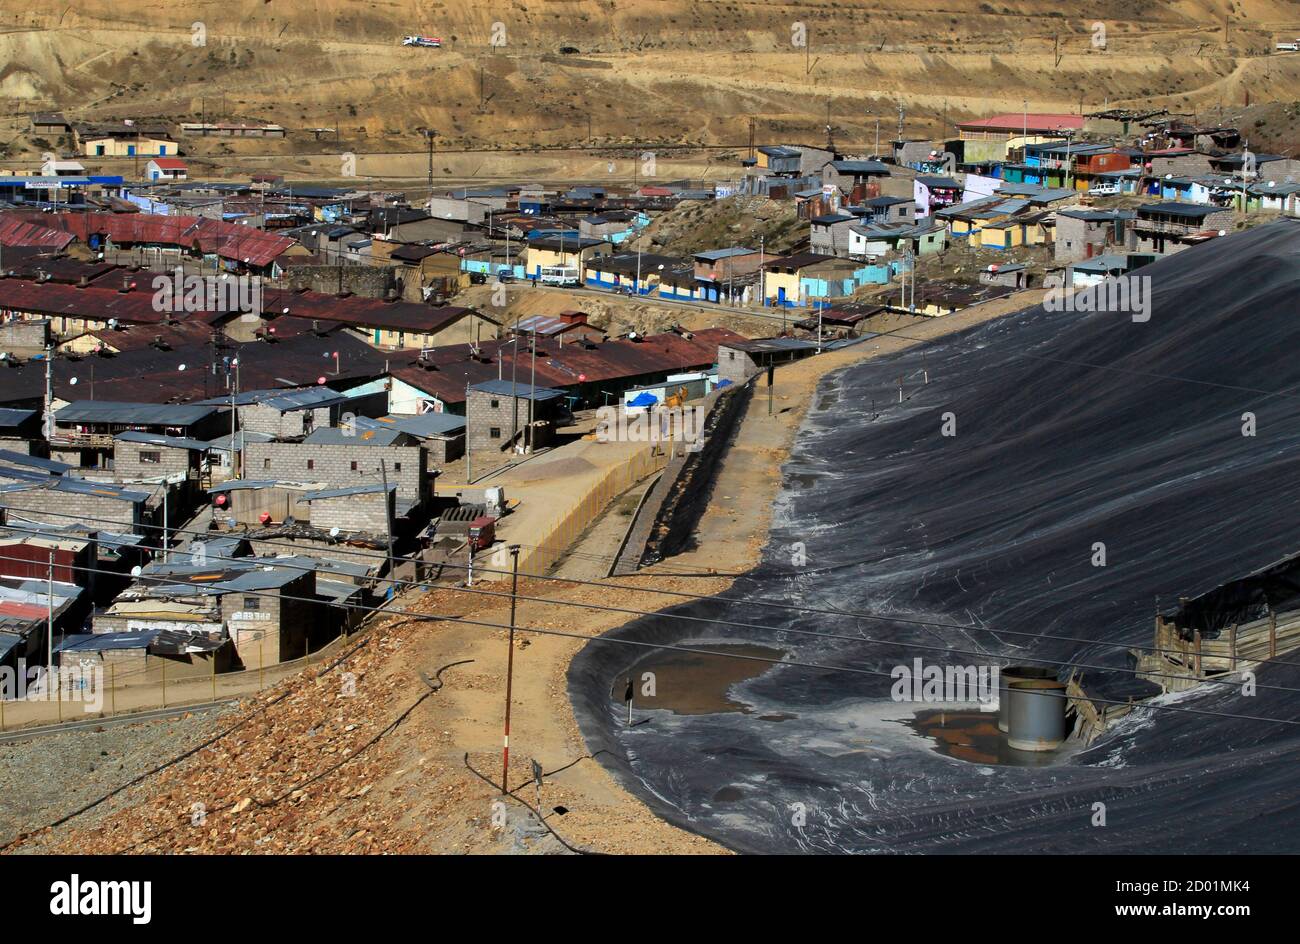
[[12, 417], [285, 400], [712, 255], [36, 462], [360, 436], [100, 642], [156, 439], [1179, 209], [113, 411], [522, 391], [422, 425], [860, 167], [368, 489]]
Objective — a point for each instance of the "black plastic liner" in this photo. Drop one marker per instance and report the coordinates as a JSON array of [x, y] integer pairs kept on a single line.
[[1073, 431]]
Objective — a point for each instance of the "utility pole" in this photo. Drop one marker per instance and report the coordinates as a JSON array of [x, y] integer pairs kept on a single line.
[[510, 668], [166, 492], [469, 476], [532, 394], [514, 386], [49, 389], [49, 620], [428, 133], [388, 522]]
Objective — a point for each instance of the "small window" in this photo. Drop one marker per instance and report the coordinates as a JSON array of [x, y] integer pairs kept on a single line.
[[266, 463], [495, 432], [150, 458], [252, 603], [397, 467], [354, 465], [496, 404], [311, 463]]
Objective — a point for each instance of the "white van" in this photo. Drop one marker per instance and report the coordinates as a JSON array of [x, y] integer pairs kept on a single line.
[[1106, 188], [560, 275]]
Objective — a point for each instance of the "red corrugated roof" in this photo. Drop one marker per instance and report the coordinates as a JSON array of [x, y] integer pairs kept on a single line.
[[29, 611], [228, 240], [102, 301], [15, 231], [98, 302], [169, 163], [446, 370]]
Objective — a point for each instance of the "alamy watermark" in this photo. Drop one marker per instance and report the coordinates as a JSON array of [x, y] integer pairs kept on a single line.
[[1127, 294], [683, 424], [950, 684], [71, 683], [178, 292]]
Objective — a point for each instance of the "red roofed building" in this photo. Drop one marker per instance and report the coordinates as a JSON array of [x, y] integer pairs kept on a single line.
[[166, 168], [245, 247], [586, 370]]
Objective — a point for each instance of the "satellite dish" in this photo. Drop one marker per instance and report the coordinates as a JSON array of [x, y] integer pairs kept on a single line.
[[320, 380], [1169, 176], [135, 571], [334, 532], [73, 381], [182, 367], [1223, 232]]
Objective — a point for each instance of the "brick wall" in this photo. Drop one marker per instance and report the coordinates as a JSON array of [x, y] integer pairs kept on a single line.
[[339, 465], [364, 281], [260, 418], [486, 412], [443, 451], [281, 622], [97, 510], [27, 335], [129, 464], [736, 366], [14, 444], [365, 512]]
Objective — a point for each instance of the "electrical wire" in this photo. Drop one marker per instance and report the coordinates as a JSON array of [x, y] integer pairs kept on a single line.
[[759, 626], [443, 618], [682, 594]]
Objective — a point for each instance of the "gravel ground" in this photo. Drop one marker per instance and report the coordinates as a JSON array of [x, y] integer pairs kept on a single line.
[[48, 777]]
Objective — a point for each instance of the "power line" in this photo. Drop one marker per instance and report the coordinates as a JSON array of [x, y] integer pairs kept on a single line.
[[170, 581], [799, 608]]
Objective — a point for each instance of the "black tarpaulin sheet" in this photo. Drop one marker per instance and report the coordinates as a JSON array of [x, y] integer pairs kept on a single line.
[[1074, 432]]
